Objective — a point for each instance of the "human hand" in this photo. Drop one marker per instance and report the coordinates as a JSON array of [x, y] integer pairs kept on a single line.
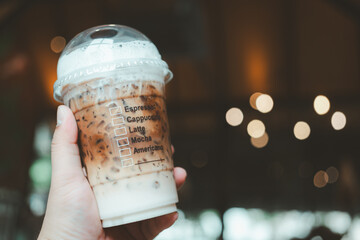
[[71, 211]]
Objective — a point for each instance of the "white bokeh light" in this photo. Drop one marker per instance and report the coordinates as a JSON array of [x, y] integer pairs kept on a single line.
[[321, 104], [264, 103], [290, 224], [317, 237], [256, 128], [302, 130], [237, 224], [210, 222], [337, 221], [37, 204], [234, 116], [354, 231], [338, 120]]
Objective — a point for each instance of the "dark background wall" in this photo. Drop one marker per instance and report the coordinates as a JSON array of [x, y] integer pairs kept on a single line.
[[220, 53]]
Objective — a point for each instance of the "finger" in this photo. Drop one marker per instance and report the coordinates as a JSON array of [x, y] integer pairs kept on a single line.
[[152, 227], [180, 177], [134, 229], [65, 158], [172, 149], [118, 232]]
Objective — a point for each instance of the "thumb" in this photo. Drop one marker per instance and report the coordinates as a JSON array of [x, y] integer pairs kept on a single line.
[[65, 158]]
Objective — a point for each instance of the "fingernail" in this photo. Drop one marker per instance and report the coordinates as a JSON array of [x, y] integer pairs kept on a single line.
[[60, 115]]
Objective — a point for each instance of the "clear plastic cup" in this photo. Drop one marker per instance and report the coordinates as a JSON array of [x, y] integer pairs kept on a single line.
[[113, 79]]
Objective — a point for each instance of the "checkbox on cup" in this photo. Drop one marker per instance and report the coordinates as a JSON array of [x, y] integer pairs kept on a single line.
[[124, 152], [127, 162], [115, 111], [118, 121], [122, 141], [120, 131]]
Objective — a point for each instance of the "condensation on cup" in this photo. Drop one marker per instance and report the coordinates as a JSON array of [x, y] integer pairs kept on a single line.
[[113, 79]]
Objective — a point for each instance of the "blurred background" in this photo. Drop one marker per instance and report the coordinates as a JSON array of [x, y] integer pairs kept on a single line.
[[263, 108]]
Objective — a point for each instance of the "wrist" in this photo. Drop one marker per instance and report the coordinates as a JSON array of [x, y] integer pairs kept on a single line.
[[47, 235], [49, 232]]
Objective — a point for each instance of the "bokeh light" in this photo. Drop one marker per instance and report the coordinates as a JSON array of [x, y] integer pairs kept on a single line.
[[37, 204], [210, 222], [237, 223], [256, 128], [264, 103], [321, 179], [234, 116], [40, 173], [42, 139], [338, 222], [338, 120], [261, 141], [317, 237], [333, 174], [354, 231], [321, 104], [302, 130], [293, 224], [253, 99], [57, 44]]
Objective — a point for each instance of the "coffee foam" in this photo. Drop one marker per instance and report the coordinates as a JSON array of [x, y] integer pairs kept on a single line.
[[101, 51], [135, 59]]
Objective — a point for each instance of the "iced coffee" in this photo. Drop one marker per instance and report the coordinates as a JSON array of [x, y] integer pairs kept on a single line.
[[124, 136]]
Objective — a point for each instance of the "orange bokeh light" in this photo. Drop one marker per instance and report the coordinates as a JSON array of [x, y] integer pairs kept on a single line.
[[256, 67]]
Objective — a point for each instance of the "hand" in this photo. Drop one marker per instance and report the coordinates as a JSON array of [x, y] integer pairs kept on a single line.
[[71, 210]]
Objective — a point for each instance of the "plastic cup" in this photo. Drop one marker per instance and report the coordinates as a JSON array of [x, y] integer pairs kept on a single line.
[[113, 79]]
